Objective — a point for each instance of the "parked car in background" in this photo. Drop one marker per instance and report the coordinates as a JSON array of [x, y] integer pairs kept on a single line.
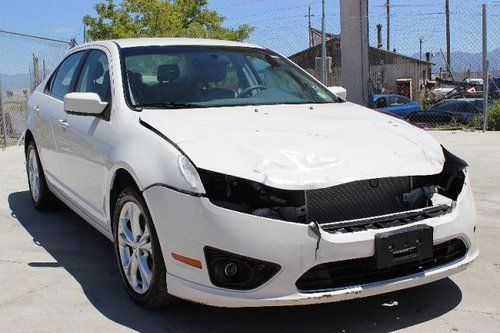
[[495, 88], [474, 81], [227, 175], [447, 111], [496, 80], [440, 93], [395, 104]]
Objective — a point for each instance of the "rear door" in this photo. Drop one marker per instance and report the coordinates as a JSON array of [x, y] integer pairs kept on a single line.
[[48, 108], [85, 144]]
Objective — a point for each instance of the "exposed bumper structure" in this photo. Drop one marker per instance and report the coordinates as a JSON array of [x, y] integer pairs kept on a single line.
[[187, 224]]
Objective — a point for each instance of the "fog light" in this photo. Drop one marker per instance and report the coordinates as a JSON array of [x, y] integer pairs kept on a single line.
[[230, 269], [233, 271]]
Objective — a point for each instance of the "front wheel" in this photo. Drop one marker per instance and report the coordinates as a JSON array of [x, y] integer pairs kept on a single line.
[[138, 251]]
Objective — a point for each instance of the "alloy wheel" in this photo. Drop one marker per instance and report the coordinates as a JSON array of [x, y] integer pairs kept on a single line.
[[33, 175], [135, 248]]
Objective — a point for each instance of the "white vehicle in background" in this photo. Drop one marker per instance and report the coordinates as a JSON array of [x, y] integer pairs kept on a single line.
[[226, 175], [440, 93], [474, 81]]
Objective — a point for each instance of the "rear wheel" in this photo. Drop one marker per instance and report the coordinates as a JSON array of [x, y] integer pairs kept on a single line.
[[138, 251], [42, 198]]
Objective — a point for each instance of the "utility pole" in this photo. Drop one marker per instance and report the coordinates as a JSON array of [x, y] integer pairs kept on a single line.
[[323, 44], [354, 41], [420, 41], [309, 25], [3, 118], [388, 8], [448, 43], [379, 36]]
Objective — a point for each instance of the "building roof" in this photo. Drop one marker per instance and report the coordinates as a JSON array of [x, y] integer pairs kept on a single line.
[[401, 55], [317, 48]]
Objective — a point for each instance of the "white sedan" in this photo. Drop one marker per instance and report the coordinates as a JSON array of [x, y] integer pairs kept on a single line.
[[226, 175]]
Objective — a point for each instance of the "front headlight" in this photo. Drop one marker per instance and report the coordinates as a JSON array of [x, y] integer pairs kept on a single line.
[[190, 175]]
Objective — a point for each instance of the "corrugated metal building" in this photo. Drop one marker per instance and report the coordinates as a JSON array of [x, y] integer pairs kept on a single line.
[[385, 67]]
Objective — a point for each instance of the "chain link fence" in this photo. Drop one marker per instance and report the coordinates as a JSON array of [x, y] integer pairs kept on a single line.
[[25, 61], [411, 77]]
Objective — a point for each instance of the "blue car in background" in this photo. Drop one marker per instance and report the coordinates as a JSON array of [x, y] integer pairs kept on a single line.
[[449, 111], [395, 104]]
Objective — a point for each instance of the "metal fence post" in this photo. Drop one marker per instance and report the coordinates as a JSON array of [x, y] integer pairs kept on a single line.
[[324, 74], [485, 70], [4, 118]]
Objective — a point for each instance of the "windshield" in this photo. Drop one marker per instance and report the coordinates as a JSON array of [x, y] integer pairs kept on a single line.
[[177, 77]]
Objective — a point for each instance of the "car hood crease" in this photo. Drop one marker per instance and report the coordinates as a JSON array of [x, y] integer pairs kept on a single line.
[[299, 146]]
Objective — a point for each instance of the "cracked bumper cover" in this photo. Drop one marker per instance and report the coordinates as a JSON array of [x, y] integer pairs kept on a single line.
[[186, 224]]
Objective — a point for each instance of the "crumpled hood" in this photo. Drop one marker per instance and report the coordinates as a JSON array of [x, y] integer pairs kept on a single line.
[[300, 146]]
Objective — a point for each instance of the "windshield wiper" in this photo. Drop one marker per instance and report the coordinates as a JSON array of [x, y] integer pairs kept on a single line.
[[169, 105]]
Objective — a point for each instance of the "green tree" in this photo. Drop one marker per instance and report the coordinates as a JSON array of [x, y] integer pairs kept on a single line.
[[160, 18]]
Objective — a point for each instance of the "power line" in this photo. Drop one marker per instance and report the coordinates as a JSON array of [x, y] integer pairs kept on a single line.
[[276, 18], [408, 5]]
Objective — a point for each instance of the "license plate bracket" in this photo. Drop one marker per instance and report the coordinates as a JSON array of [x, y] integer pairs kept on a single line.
[[403, 246]]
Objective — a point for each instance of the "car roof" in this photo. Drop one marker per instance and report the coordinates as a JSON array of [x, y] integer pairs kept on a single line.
[[462, 99], [385, 95], [136, 42]]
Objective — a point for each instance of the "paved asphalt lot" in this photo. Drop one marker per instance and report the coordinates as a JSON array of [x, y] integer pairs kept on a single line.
[[59, 274]]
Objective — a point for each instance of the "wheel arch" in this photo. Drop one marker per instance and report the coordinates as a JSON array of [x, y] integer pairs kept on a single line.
[[121, 179], [28, 137]]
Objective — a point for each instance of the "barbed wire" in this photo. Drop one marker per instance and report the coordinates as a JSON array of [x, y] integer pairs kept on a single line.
[[281, 9], [243, 3], [21, 34]]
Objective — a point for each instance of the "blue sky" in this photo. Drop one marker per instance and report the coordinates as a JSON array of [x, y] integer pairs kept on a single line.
[[281, 25]]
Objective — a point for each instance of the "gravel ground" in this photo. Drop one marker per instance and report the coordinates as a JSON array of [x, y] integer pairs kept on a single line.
[[59, 274]]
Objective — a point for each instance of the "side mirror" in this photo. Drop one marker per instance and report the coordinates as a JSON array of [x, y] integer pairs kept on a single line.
[[84, 104], [339, 91]]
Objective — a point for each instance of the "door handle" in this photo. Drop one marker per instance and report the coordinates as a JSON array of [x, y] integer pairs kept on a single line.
[[63, 123]]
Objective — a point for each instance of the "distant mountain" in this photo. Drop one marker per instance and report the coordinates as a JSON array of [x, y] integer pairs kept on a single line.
[[463, 61], [14, 82]]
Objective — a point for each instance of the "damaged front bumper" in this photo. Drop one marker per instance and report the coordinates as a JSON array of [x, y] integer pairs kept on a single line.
[[187, 225]]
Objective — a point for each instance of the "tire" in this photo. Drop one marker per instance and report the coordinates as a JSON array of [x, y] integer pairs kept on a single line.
[[138, 252], [41, 196]]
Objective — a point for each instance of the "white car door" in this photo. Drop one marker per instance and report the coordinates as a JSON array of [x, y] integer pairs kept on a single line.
[[84, 143], [48, 110]]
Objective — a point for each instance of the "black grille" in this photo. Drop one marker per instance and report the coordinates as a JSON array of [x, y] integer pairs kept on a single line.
[[355, 272], [359, 199], [390, 221]]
